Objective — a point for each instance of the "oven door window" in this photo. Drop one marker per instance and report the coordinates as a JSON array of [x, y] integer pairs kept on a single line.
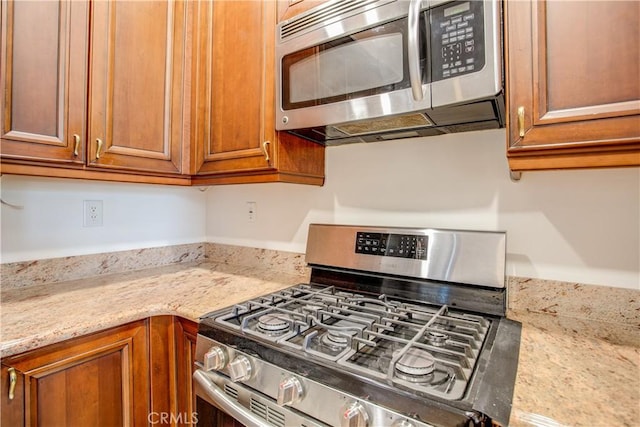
[[370, 62]]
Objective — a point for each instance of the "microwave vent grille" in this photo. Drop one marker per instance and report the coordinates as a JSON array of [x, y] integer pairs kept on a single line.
[[324, 15]]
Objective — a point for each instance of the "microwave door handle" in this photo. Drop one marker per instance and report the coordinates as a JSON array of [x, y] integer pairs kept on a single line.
[[413, 49]]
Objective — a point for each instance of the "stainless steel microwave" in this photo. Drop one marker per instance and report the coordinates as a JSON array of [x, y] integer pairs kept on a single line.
[[371, 70]]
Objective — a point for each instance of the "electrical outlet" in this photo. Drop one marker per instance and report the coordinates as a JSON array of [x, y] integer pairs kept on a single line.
[[252, 213], [92, 213]]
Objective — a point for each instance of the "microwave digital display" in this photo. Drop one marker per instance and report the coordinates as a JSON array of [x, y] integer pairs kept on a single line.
[[454, 10]]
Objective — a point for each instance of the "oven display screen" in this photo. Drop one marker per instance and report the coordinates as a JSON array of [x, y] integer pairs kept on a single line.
[[394, 245]]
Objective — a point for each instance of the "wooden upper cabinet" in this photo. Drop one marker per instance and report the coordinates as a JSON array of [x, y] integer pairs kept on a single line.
[[43, 75], [573, 84], [136, 85], [82, 75], [233, 112]]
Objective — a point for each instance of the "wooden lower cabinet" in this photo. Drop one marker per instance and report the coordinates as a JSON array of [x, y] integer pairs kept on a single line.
[[185, 335], [99, 379], [138, 374]]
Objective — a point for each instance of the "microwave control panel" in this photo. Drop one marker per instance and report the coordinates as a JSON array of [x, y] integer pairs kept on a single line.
[[457, 39], [394, 245]]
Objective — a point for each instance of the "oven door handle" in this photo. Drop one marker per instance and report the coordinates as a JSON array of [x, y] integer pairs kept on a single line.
[[413, 49], [224, 402]]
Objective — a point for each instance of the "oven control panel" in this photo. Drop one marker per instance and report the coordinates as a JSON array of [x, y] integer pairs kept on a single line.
[[393, 245]]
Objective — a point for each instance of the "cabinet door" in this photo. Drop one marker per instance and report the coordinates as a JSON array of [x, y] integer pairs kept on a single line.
[[43, 77], [228, 117], [136, 89], [101, 379], [573, 86], [233, 100], [186, 332]]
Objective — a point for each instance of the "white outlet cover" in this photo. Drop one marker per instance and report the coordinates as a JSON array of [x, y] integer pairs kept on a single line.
[[92, 213]]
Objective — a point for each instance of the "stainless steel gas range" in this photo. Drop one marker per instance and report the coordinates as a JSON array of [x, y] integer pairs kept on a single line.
[[397, 327]]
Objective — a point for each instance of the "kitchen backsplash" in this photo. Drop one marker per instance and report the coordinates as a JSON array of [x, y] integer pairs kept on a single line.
[[55, 270], [578, 301]]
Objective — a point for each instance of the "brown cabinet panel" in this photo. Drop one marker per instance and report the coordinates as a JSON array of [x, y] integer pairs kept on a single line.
[[11, 405], [186, 332], [99, 379], [233, 101], [572, 83], [136, 94], [44, 63]]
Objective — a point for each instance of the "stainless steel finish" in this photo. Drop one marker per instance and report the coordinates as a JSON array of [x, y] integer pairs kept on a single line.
[[319, 17], [470, 257], [481, 84], [413, 49], [320, 403], [350, 110], [289, 391], [397, 327], [354, 415], [215, 359], [212, 393], [240, 369], [448, 102]]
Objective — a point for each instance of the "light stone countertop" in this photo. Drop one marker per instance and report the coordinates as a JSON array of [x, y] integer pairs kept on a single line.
[[571, 372], [39, 315]]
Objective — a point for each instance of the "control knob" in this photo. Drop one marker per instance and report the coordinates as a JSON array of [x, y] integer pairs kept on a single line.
[[354, 415], [289, 391], [215, 359], [240, 369]]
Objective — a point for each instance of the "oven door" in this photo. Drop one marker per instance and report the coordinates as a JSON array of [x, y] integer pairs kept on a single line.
[[355, 68], [215, 393]]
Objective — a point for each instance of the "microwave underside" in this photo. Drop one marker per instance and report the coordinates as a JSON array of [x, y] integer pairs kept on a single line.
[[480, 115]]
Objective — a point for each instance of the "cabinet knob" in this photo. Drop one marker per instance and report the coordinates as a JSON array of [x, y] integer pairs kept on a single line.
[[289, 391]]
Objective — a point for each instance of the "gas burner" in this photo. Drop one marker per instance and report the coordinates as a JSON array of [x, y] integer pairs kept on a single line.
[[336, 341], [415, 362], [274, 324], [437, 339]]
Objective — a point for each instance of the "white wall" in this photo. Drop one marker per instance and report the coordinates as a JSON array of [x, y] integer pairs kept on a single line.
[[135, 216], [581, 226]]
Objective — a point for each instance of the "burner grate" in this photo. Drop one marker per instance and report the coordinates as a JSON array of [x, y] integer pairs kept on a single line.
[[369, 335]]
